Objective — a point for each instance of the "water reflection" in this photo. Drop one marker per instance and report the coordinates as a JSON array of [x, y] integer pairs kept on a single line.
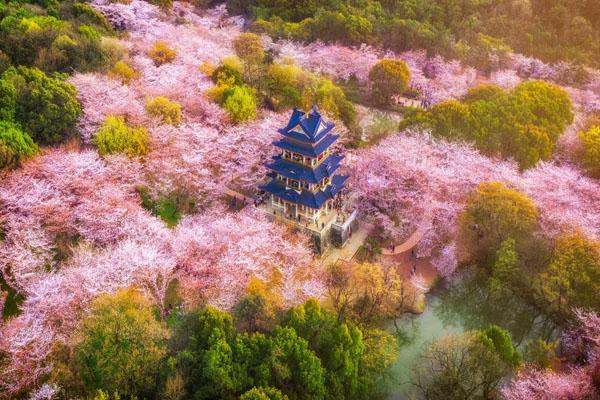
[[473, 304], [465, 304]]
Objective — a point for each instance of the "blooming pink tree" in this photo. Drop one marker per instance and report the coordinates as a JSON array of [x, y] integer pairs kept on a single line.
[[575, 382], [218, 252], [411, 175]]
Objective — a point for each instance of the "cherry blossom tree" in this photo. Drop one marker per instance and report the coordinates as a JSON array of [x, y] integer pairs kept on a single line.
[[218, 253], [574, 382], [410, 175]]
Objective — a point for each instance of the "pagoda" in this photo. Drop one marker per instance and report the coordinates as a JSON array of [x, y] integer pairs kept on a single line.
[[304, 187]]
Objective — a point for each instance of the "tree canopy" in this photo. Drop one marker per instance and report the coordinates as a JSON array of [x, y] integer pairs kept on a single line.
[[524, 123], [45, 106], [122, 346]]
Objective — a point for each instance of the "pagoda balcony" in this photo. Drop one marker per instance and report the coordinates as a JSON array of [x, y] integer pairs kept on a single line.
[[299, 172]]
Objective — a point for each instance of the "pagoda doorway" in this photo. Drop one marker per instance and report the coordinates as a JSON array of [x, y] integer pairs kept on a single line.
[[292, 210]]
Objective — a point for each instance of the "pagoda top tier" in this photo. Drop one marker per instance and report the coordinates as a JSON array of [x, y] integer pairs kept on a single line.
[[307, 128]]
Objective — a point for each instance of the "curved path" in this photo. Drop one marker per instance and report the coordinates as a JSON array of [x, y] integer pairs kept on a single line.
[[239, 196], [413, 240]]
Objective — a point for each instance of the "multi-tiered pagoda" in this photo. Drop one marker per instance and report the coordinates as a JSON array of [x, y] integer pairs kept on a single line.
[[304, 187]]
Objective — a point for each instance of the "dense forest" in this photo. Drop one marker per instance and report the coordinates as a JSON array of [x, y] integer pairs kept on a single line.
[[136, 259], [480, 33]]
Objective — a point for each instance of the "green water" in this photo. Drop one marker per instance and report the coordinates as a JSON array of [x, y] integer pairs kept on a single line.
[[457, 307]]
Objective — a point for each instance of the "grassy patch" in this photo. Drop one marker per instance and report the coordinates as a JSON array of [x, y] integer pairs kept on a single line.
[[169, 208], [12, 302]]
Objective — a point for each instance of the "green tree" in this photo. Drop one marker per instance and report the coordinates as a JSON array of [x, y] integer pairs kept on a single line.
[[354, 366], [544, 105], [262, 393], [506, 272], [215, 362], [498, 340], [46, 107], [14, 145], [283, 84], [168, 111], [459, 367], [541, 353], [258, 309], [121, 346], [482, 92], [452, 120], [388, 78], [493, 214], [591, 150], [114, 136], [572, 279], [240, 104], [204, 356], [295, 368], [8, 100], [248, 46], [523, 124]]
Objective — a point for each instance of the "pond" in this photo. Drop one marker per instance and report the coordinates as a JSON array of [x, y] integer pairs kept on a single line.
[[459, 306]]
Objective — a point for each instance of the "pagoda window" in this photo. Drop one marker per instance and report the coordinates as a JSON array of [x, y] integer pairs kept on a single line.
[[297, 158], [313, 161]]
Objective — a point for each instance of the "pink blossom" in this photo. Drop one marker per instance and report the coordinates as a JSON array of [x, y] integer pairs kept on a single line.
[[335, 61], [101, 96], [575, 382], [218, 252], [532, 384], [410, 174]]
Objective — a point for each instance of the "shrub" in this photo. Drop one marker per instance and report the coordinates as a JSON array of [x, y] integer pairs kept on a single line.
[[45, 106], [482, 92], [591, 150], [249, 47], [283, 84], [121, 346], [161, 53], [493, 214], [240, 104], [14, 145], [114, 136], [523, 124], [8, 100], [123, 72], [388, 78], [572, 278], [164, 5], [263, 393], [168, 111], [228, 73]]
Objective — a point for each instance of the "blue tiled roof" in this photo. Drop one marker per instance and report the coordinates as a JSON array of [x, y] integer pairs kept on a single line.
[[304, 173], [305, 197], [308, 151], [309, 128]]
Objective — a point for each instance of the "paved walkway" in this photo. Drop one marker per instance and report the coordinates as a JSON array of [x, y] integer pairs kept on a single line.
[[347, 252], [413, 240], [424, 275], [239, 196]]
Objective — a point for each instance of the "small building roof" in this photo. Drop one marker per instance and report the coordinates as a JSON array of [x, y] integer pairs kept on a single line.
[[306, 197], [305, 173], [308, 128]]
